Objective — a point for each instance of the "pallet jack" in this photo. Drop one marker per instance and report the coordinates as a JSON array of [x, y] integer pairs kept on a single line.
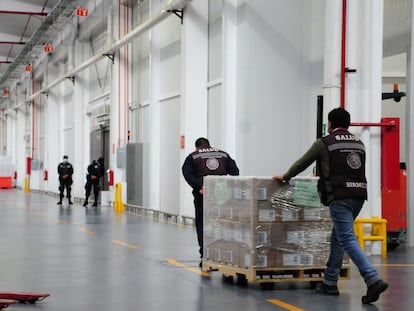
[[8, 298]]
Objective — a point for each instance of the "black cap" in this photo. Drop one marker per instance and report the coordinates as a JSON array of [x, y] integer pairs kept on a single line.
[[65, 157]]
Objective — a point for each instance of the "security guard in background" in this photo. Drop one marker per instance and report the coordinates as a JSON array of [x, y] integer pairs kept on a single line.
[[65, 172], [95, 171]]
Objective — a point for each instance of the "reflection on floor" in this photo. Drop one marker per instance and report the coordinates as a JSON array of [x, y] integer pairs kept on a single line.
[[93, 259]]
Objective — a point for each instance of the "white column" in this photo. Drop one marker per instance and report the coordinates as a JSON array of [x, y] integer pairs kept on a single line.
[[410, 134], [194, 57], [332, 58], [229, 76], [363, 88], [155, 149]]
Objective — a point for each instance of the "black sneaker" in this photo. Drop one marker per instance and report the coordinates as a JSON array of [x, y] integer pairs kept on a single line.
[[85, 203], [95, 204], [374, 291], [322, 288], [59, 203], [70, 202]]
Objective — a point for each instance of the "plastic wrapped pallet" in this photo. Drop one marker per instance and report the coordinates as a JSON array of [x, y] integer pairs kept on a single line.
[[259, 222]]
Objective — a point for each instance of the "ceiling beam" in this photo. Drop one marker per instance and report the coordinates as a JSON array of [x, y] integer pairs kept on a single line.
[[23, 12], [13, 42]]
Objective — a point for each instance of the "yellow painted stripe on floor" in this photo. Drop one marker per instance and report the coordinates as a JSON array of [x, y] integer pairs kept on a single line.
[[181, 265], [125, 244], [88, 231], [394, 265], [284, 305]]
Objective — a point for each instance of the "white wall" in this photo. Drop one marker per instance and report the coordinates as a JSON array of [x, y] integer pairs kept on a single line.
[[244, 73], [279, 75]]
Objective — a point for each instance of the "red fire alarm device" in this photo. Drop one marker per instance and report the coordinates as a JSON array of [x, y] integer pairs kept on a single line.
[[29, 68]]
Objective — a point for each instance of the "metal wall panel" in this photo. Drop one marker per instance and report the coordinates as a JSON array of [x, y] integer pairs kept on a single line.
[[134, 173]]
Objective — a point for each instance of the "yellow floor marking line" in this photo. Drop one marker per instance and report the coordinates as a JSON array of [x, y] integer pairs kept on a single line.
[[394, 265], [125, 244], [284, 305], [87, 231], [181, 265]]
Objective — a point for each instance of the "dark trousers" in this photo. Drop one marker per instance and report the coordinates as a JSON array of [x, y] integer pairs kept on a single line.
[[88, 187], [65, 184], [198, 204]]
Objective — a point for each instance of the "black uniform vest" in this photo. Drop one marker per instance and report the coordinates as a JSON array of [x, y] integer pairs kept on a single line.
[[347, 165], [209, 161]]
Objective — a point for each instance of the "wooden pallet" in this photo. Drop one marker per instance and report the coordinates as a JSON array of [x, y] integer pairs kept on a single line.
[[273, 275]]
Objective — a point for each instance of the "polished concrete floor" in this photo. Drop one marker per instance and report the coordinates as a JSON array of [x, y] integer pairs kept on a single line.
[[94, 259]]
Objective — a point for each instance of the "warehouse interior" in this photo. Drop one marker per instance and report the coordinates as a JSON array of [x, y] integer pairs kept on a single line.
[[137, 82]]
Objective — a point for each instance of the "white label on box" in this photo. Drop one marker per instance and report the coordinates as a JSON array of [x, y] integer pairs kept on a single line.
[[261, 261], [261, 237], [237, 235], [296, 237], [247, 194], [237, 193], [261, 194], [229, 213], [290, 215], [267, 215], [297, 259], [217, 254], [214, 212], [228, 256], [247, 260], [312, 213]]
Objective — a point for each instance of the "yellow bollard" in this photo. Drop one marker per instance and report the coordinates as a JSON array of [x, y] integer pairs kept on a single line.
[[26, 184], [118, 204], [378, 232]]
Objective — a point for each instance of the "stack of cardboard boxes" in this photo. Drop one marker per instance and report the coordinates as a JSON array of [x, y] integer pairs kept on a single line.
[[259, 222]]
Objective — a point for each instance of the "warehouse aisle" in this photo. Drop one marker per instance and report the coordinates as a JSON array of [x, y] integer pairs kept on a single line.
[[93, 259]]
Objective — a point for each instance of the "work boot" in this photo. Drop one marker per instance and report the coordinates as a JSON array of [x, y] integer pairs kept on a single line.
[[70, 202], [322, 288], [374, 291], [85, 203], [95, 203], [59, 203]]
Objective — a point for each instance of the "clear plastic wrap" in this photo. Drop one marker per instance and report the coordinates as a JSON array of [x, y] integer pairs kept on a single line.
[[259, 222]]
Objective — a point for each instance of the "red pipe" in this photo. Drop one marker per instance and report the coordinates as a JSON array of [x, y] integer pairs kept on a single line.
[[33, 117], [381, 124], [343, 53]]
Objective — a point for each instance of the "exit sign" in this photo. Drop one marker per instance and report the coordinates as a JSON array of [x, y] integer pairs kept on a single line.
[[81, 12]]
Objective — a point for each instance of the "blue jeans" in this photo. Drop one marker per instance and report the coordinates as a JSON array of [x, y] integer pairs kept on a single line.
[[343, 214]]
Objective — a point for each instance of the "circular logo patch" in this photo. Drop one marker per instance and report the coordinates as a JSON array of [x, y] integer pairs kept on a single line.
[[212, 164], [354, 160]]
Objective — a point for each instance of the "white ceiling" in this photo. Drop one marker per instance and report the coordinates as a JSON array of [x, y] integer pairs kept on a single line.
[[21, 19], [17, 28]]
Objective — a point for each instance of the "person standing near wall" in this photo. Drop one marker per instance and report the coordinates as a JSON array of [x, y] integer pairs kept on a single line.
[[65, 172], [205, 160], [340, 162], [95, 171]]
